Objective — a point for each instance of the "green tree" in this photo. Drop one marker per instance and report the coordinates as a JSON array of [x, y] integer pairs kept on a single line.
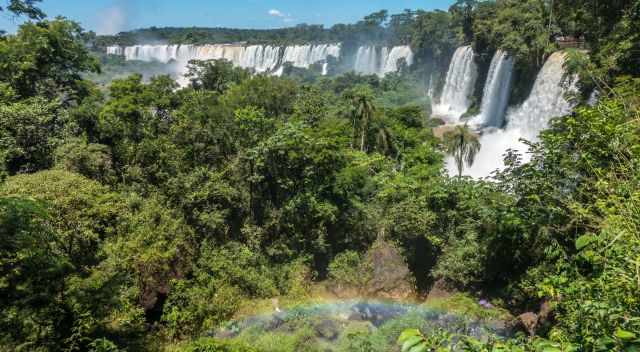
[[214, 75], [463, 145], [29, 133], [274, 95], [90, 160], [46, 59], [25, 7], [433, 38], [362, 111], [83, 213], [522, 28], [32, 272]]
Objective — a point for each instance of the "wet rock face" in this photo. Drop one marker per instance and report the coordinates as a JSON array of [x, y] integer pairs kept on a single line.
[[387, 276], [528, 321], [391, 277], [533, 323], [441, 289], [327, 329]]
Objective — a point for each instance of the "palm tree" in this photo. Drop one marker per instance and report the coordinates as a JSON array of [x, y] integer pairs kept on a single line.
[[363, 110], [463, 145]]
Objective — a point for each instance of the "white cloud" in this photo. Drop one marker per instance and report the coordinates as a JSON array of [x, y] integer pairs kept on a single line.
[[286, 18], [276, 13]]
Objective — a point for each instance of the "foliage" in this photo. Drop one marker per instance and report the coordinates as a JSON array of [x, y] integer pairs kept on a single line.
[[46, 59], [29, 133], [216, 75], [25, 7], [140, 214], [88, 159], [83, 212], [33, 268], [212, 345], [463, 145], [348, 268]]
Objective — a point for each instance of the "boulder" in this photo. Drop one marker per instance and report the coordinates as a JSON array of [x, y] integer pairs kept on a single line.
[[327, 329], [528, 322], [385, 275], [441, 289], [533, 323], [390, 276]]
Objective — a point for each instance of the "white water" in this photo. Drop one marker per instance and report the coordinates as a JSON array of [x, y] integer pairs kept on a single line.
[[115, 50], [547, 100], [260, 58], [459, 84], [303, 56], [496, 92], [371, 60]]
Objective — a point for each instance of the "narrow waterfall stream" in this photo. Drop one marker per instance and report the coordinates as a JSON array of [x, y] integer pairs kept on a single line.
[[496, 92], [458, 88], [371, 60]]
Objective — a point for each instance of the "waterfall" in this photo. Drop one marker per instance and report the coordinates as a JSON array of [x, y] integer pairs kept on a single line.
[[260, 58], [161, 53], [547, 99], [496, 91], [366, 60], [371, 60], [390, 59], [304, 56], [459, 84], [115, 50], [270, 59], [431, 87]]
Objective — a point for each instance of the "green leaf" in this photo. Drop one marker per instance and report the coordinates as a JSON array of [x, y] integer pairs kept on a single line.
[[407, 334], [625, 335], [551, 349], [584, 241], [421, 347], [411, 342], [632, 348]]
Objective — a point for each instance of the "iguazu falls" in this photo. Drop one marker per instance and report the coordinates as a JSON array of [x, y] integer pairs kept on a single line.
[[288, 176]]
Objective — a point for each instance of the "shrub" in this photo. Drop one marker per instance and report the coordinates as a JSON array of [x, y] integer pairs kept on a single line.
[[348, 268]]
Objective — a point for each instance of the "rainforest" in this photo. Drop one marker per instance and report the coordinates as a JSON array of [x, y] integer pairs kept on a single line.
[[465, 179]]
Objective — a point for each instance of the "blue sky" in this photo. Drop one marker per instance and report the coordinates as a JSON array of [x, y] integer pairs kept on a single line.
[[111, 16]]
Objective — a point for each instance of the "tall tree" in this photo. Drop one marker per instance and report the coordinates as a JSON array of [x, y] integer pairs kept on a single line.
[[362, 109], [25, 7], [46, 58], [463, 145]]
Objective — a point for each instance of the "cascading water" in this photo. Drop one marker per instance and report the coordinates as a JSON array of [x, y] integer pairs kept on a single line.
[[391, 59], [270, 59], [371, 60], [260, 58], [161, 53], [547, 100], [366, 60], [496, 92], [115, 50], [461, 79], [431, 87], [304, 56]]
